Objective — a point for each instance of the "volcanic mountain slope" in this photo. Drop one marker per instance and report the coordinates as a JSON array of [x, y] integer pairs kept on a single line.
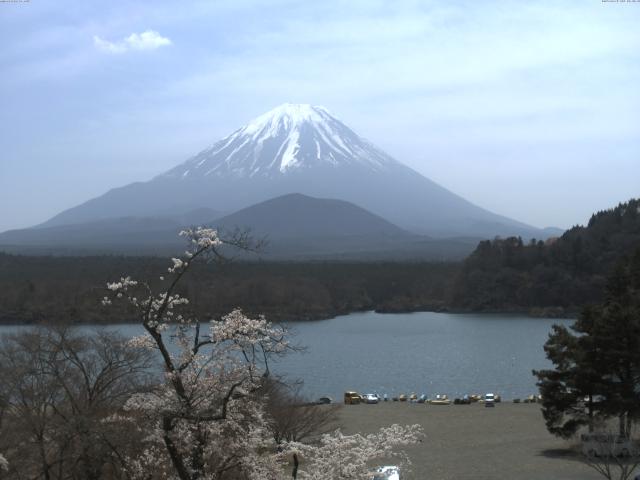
[[121, 234], [297, 216], [300, 149], [303, 227], [294, 226]]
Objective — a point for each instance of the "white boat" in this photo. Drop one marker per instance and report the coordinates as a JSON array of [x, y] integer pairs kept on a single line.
[[440, 400]]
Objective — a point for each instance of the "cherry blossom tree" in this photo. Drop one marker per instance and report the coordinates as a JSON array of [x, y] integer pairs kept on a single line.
[[348, 457], [206, 419]]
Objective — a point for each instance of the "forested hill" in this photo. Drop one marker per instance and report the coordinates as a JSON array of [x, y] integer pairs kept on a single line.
[[553, 277]]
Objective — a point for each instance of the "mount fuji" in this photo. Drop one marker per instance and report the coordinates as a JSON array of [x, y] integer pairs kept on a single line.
[[303, 149]]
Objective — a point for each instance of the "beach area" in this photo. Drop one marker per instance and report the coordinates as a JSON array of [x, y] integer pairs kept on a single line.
[[509, 441]]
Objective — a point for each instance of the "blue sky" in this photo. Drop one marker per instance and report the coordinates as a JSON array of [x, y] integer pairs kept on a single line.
[[529, 109]]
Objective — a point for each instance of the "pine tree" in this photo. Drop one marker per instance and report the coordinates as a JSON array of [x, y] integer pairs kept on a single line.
[[596, 372]]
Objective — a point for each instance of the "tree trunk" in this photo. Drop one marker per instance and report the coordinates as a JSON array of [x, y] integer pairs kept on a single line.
[[174, 454], [621, 425], [197, 455], [294, 474]]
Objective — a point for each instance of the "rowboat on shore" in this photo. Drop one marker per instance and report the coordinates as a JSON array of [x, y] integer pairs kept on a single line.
[[440, 400]]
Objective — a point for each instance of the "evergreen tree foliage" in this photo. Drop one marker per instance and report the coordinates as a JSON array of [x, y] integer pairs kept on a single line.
[[561, 275], [596, 372]]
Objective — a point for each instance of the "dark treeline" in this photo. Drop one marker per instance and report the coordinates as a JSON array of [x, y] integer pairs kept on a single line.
[[69, 289], [558, 276]]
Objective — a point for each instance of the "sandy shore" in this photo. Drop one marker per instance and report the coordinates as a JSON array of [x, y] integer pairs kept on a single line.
[[473, 442]]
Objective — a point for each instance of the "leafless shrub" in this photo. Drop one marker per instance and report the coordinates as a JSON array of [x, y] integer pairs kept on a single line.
[[293, 417], [58, 390], [613, 456]]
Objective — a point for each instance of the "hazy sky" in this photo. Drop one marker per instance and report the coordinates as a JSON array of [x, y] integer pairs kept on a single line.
[[529, 109]]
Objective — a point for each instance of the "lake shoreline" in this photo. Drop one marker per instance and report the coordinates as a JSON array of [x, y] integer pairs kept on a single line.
[[393, 353], [549, 312]]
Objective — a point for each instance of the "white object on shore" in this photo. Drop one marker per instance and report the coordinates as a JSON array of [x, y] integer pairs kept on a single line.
[[389, 472], [489, 400]]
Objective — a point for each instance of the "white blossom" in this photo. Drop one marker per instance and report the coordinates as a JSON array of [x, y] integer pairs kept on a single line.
[[123, 284], [339, 456], [206, 406], [177, 264], [202, 237], [142, 341], [244, 332]]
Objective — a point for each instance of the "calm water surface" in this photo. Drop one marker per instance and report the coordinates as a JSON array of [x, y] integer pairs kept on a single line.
[[421, 352], [417, 352]]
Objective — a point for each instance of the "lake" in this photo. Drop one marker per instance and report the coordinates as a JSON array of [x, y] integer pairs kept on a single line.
[[422, 352]]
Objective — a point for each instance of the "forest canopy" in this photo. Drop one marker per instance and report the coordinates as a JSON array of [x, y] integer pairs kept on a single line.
[[553, 278], [558, 276]]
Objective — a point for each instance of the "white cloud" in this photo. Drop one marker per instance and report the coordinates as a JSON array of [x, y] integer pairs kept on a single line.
[[147, 40], [106, 46]]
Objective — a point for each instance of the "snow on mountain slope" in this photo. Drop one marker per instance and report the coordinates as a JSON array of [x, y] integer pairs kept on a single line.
[[300, 149], [288, 138]]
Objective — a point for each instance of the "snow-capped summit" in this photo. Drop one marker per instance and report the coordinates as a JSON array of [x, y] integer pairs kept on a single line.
[[288, 138], [288, 115], [299, 149]]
